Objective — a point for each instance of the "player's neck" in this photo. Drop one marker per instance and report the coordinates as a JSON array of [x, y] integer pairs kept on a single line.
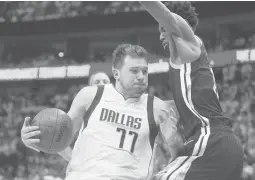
[[126, 95]]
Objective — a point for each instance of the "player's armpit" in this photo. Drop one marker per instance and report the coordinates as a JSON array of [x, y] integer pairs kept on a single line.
[[187, 51], [79, 106]]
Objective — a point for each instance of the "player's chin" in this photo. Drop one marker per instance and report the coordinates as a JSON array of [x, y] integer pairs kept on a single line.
[[140, 89]]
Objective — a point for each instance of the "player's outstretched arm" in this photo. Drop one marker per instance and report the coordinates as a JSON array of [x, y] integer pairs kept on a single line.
[[188, 46], [79, 106], [167, 119], [173, 23], [163, 16]]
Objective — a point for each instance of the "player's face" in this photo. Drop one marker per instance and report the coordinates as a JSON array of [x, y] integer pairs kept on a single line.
[[100, 79], [134, 75], [164, 37]]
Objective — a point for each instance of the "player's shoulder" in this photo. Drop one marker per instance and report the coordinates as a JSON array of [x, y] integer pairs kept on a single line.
[[88, 91], [86, 95]]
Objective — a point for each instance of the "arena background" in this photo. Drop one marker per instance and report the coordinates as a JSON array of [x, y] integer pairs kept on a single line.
[[48, 50]]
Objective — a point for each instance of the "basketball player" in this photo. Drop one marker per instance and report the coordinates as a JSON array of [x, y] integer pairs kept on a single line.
[[212, 151], [99, 78], [118, 124]]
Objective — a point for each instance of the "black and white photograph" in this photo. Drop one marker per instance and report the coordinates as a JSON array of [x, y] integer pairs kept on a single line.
[[127, 90]]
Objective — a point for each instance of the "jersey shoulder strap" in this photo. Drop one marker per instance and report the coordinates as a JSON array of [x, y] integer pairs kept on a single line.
[[154, 129], [93, 105]]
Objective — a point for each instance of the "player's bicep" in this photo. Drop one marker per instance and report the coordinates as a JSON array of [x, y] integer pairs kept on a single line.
[[76, 116], [186, 31], [80, 105], [188, 46]]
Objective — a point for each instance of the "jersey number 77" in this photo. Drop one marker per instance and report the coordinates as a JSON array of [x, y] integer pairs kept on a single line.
[[123, 137]]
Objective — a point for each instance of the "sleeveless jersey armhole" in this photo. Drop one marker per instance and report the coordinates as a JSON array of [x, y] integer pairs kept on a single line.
[[154, 129], [93, 105]]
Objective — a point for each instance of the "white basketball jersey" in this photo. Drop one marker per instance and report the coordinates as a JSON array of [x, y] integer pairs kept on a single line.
[[117, 143]]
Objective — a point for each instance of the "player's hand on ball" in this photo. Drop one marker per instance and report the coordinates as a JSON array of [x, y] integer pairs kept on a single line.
[[30, 134]]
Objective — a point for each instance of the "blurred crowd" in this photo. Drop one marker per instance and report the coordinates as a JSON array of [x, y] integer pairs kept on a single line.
[[236, 92], [237, 100], [47, 10], [71, 52], [79, 50], [229, 43]]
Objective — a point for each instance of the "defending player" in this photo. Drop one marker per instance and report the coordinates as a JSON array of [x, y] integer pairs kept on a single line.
[[119, 123], [212, 151]]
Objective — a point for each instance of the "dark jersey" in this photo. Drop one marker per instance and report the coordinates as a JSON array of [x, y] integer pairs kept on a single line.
[[195, 94]]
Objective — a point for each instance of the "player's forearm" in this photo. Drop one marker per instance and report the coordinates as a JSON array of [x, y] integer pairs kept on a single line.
[[172, 138], [77, 123], [171, 146], [66, 153], [175, 146], [163, 16]]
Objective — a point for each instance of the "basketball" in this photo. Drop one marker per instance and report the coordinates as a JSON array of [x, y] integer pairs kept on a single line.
[[56, 130]]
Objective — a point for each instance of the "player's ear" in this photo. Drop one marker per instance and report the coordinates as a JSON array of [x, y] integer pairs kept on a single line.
[[116, 73]]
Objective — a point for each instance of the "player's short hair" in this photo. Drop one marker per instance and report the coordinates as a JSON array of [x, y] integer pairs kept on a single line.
[[124, 50], [91, 76], [185, 10]]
